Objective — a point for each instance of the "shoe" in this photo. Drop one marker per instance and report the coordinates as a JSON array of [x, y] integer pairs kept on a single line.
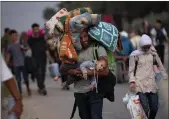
[[33, 80], [68, 88], [40, 91], [29, 92], [44, 92]]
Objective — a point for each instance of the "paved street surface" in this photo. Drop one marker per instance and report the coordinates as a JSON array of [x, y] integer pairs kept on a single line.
[[58, 104]]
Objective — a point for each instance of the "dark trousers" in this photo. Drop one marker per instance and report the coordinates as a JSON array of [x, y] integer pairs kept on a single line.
[[40, 74], [149, 102], [18, 71], [90, 105], [161, 51]]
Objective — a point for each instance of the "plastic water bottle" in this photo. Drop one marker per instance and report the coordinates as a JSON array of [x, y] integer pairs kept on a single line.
[[10, 105], [158, 74]]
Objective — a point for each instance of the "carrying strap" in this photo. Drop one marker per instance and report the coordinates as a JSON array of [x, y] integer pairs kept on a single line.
[[154, 60], [136, 63], [95, 52], [74, 110]]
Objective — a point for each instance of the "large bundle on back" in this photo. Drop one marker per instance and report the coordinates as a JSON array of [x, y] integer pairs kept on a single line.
[[66, 29]]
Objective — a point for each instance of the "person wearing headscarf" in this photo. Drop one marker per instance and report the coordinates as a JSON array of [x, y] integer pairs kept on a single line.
[[142, 76]]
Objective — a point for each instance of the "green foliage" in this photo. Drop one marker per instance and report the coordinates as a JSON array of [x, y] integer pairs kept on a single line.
[[132, 9]]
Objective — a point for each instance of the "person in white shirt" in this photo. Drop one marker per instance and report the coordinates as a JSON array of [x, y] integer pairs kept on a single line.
[[135, 37], [9, 81]]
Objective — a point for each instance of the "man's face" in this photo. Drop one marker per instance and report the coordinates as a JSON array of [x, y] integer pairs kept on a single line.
[[7, 33], [35, 31], [158, 25], [84, 39], [14, 37]]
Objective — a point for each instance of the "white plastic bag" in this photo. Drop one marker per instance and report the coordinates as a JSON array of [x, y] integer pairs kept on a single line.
[[54, 70], [28, 53], [132, 102]]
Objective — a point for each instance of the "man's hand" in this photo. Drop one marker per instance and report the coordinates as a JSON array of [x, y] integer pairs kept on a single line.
[[22, 47], [124, 58], [85, 76], [132, 87], [17, 108], [56, 78]]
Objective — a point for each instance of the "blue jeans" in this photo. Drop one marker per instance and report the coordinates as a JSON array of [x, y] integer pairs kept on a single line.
[[18, 70], [90, 105], [149, 102]]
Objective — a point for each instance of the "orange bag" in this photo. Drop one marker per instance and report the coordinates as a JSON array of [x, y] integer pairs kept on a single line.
[[67, 51]]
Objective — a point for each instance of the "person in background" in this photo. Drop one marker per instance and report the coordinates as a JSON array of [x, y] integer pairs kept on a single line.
[[16, 51], [40, 53], [142, 77], [146, 28], [5, 40], [159, 35], [127, 46], [135, 37], [28, 55], [9, 81], [55, 59]]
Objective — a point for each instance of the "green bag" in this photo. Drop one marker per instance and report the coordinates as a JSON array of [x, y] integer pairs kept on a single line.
[[106, 34]]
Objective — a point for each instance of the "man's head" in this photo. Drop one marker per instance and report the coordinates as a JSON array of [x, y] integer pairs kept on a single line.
[[84, 38], [6, 31], [13, 35], [158, 24], [35, 29], [101, 64], [24, 36]]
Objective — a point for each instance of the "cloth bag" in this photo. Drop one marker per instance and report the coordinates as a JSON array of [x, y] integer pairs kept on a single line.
[[67, 52], [106, 34]]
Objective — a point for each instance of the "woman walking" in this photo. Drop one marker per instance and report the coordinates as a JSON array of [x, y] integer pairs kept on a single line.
[[142, 76]]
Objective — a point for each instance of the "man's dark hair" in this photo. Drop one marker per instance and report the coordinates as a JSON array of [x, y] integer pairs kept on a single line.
[[6, 30], [159, 21], [12, 32], [35, 25]]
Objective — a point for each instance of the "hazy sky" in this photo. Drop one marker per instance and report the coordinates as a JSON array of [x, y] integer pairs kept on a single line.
[[21, 15]]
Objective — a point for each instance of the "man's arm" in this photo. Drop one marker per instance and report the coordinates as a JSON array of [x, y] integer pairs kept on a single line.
[[10, 83], [165, 34], [85, 65], [8, 55]]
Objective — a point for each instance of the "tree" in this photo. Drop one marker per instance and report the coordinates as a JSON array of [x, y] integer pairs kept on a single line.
[[48, 13], [133, 9]]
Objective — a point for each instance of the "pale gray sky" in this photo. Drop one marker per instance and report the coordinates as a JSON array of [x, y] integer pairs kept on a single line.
[[21, 15]]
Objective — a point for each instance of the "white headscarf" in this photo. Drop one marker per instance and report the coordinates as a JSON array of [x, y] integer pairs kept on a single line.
[[145, 40]]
